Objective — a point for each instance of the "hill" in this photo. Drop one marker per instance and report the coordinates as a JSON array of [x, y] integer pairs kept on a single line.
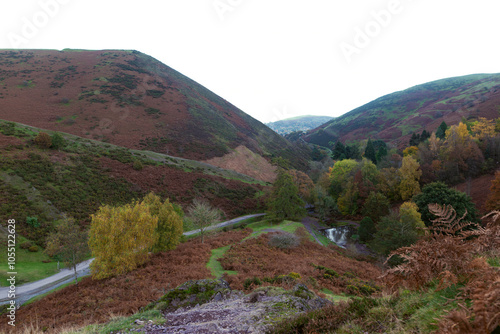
[[132, 100], [299, 123], [394, 117], [83, 174]]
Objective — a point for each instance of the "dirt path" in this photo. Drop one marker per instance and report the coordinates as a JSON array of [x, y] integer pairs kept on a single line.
[[311, 225]]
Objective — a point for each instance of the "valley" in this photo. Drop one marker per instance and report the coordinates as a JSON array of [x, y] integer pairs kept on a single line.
[[115, 156]]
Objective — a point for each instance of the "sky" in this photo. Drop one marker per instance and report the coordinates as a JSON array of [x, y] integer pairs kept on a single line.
[[276, 59]]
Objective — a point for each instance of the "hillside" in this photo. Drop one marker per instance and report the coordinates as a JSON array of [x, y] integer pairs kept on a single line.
[[83, 174], [132, 100], [300, 123], [394, 117]]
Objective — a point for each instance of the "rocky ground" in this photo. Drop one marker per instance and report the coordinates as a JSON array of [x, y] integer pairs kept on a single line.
[[226, 310]]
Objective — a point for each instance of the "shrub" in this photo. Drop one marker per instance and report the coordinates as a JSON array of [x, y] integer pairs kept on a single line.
[[284, 240], [25, 245], [32, 221], [137, 165], [57, 141], [43, 140], [251, 281], [33, 249]]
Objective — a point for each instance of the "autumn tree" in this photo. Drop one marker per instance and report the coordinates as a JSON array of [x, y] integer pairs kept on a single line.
[[493, 200], [43, 140], [339, 174], [303, 182], [483, 129], [203, 216], [170, 227], [284, 202], [69, 244], [410, 176], [120, 238]]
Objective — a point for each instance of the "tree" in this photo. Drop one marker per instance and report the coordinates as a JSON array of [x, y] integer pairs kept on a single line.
[[340, 174], [324, 203], [410, 175], [170, 226], [120, 238], [43, 140], [339, 151], [366, 229], [398, 230], [69, 243], [285, 202], [439, 193], [441, 130], [303, 182], [370, 152], [57, 141], [382, 152], [203, 215], [493, 200], [376, 206]]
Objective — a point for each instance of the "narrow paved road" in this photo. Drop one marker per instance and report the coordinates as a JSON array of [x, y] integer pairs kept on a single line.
[[29, 290]]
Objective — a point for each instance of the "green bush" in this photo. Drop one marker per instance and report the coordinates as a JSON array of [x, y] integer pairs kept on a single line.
[[32, 221]]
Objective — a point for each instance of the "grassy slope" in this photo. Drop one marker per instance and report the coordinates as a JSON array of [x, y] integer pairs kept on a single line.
[[38, 183]]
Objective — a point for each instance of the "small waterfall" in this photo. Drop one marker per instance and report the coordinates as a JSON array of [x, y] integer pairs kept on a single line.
[[340, 235]]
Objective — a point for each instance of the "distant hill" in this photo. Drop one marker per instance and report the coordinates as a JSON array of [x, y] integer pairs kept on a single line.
[[130, 99], [300, 123], [394, 117]]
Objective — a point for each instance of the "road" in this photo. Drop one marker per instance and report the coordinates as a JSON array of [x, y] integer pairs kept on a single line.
[[29, 290]]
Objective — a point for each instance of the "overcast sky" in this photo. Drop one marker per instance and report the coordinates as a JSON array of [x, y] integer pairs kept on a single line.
[[277, 58]]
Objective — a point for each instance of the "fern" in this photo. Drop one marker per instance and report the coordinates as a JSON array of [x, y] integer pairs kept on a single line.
[[450, 253]]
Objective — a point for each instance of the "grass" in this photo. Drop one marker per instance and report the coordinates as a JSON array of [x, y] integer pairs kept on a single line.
[[29, 267], [333, 297], [121, 324], [215, 266]]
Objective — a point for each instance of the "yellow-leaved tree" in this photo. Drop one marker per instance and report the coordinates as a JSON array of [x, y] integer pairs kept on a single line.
[[170, 225], [120, 238], [410, 175]]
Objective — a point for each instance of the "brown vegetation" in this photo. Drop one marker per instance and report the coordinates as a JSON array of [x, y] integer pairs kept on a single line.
[[256, 258], [96, 301]]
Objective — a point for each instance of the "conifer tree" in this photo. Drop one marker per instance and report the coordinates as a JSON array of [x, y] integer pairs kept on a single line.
[[285, 202], [441, 130], [370, 152]]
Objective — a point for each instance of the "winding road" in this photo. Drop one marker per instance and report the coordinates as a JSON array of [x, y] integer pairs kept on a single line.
[[29, 290]]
